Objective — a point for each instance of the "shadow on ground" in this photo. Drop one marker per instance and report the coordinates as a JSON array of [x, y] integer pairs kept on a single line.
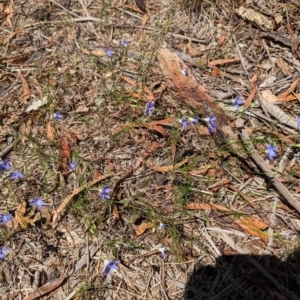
[[238, 277]]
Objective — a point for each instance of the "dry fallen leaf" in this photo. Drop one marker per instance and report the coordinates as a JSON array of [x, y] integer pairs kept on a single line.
[[64, 155], [24, 130], [289, 90], [35, 105], [145, 19], [286, 70], [205, 206], [139, 230], [26, 91], [269, 96], [50, 134], [20, 217], [99, 52], [46, 288], [170, 167], [9, 13], [251, 229]]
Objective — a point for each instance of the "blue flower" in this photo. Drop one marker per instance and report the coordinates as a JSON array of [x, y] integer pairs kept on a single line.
[[183, 121], [5, 165], [104, 193], [110, 265], [37, 202], [271, 151], [163, 251], [238, 102], [5, 218], [185, 72], [72, 165], [109, 52], [16, 175], [298, 121], [3, 252], [124, 43], [149, 108], [58, 116], [212, 124], [192, 121], [162, 226]]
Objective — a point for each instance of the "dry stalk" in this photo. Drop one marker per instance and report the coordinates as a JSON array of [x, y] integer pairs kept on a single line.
[[75, 192]]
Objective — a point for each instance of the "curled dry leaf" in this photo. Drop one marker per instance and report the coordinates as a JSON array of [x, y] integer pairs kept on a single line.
[[205, 206], [64, 155], [26, 90], [20, 217], [46, 288], [289, 90], [50, 134], [250, 97], [99, 52], [223, 61], [140, 229], [200, 171], [250, 227], [170, 167]]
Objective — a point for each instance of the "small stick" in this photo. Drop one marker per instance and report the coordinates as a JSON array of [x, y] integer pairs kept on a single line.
[[268, 53], [266, 169], [7, 149]]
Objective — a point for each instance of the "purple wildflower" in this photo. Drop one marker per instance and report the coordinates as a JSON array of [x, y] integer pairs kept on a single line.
[[271, 151], [104, 193], [188, 121], [16, 175], [5, 165], [192, 121], [109, 266], [238, 102], [109, 52], [163, 251], [3, 252], [212, 124], [124, 43], [57, 116], [72, 165], [37, 202], [149, 108], [162, 226], [185, 72], [298, 121], [5, 218], [183, 121]]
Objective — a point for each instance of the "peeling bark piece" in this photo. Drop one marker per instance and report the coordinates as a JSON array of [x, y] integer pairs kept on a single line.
[[255, 17], [193, 94]]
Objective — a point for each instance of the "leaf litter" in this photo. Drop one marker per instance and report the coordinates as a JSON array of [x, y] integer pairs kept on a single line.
[[94, 83]]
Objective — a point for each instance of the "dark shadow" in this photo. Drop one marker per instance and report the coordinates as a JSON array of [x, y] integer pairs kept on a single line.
[[238, 277]]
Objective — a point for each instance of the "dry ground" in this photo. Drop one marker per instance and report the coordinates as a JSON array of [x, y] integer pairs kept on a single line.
[[231, 231]]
